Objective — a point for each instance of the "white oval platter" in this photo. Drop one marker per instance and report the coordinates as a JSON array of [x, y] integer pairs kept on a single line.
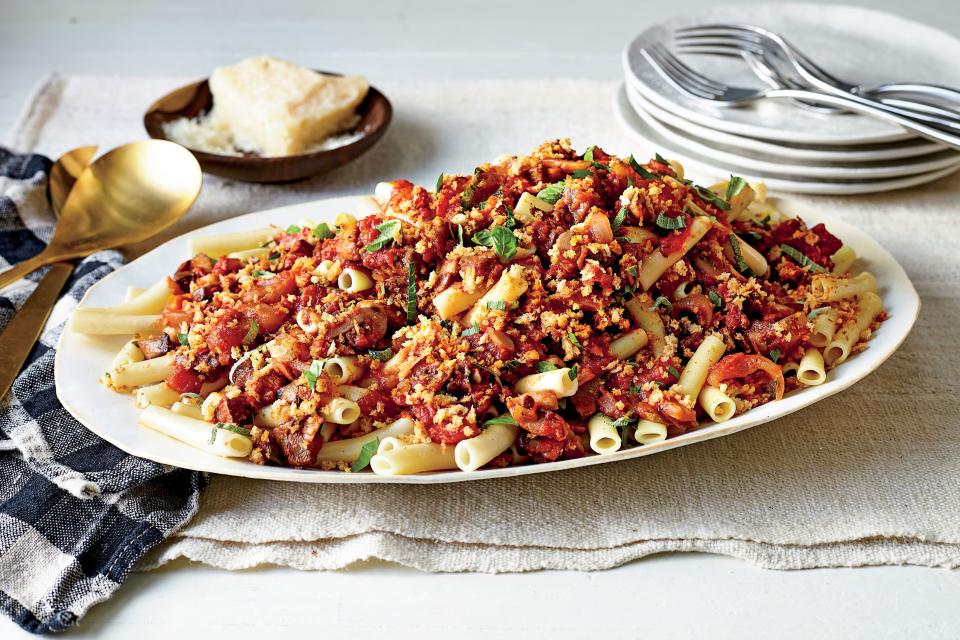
[[81, 359]]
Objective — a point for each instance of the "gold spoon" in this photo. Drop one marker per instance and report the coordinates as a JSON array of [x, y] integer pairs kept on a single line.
[[126, 196], [22, 332]]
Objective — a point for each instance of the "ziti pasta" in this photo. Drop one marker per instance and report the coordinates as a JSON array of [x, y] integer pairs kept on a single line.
[[544, 307]]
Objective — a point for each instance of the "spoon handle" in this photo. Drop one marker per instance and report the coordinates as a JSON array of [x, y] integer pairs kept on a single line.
[[22, 332], [17, 271]]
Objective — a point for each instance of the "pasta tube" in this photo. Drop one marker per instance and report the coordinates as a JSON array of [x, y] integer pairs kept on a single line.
[[342, 369], [648, 432], [628, 344], [348, 450], [341, 411], [132, 292], [137, 374], [849, 334], [811, 371], [824, 326], [718, 405], [508, 288], [104, 322], [149, 301], [695, 372], [830, 288], [656, 264], [454, 300], [129, 353], [200, 434], [354, 280], [843, 259], [159, 394], [604, 438], [223, 243], [639, 309], [188, 410], [394, 458], [559, 381], [473, 453]]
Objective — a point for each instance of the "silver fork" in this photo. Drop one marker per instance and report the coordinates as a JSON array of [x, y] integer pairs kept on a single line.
[[698, 86], [759, 41]]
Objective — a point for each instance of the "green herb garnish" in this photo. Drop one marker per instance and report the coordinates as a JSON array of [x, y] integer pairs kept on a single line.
[[260, 273], [673, 371], [574, 372], [323, 231], [502, 305], [511, 221], [661, 301], [235, 428], [411, 294], [293, 229], [815, 312], [502, 240], [544, 365], [466, 198], [588, 156], [252, 332], [504, 419], [573, 338], [715, 298], [735, 185], [313, 372], [661, 159], [666, 222], [644, 173], [623, 421], [367, 451], [183, 338], [738, 256], [801, 258], [552, 192], [388, 231], [775, 355], [712, 198], [619, 219], [582, 173], [382, 355], [475, 329], [439, 183]]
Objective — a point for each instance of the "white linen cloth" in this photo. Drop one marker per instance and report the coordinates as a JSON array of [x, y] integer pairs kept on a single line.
[[867, 477]]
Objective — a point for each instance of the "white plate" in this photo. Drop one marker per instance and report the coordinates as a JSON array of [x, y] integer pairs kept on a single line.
[[80, 360], [763, 164], [789, 152], [699, 164], [853, 43]]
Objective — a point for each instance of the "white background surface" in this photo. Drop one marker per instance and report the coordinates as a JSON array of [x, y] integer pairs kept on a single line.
[[682, 596]]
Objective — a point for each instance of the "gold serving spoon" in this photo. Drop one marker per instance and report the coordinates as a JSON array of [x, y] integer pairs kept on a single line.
[[22, 332], [125, 196]]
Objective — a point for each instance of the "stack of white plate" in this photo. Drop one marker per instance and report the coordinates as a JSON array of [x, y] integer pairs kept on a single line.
[[791, 148]]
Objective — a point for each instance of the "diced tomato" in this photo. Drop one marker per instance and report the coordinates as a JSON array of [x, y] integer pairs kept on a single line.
[[272, 290], [185, 381], [741, 365], [228, 332], [268, 318], [227, 265]]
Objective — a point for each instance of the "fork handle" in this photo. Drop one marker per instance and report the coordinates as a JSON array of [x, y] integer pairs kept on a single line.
[[867, 107], [21, 269]]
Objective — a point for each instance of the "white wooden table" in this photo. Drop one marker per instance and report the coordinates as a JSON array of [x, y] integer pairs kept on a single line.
[[678, 595]]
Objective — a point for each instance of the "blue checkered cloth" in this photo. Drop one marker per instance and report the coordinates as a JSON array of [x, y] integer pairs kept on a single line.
[[76, 513]]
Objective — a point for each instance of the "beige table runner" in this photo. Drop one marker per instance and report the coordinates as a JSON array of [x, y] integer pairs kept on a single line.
[[869, 476]]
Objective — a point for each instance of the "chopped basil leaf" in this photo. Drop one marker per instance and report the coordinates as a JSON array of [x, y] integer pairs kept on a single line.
[[382, 355], [622, 422], [661, 159], [411, 294], [439, 183], [512, 364], [673, 371], [712, 198], [801, 258], [504, 419], [582, 173], [619, 218], [634, 388], [460, 235], [644, 173], [388, 231], [502, 240], [715, 298], [252, 332], [633, 271], [260, 273], [666, 222], [498, 305], [466, 198], [661, 301], [229, 426], [293, 229], [191, 396], [574, 372], [765, 221], [814, 313], [588, 156], [511, 221], [573, 338], [738, 255], [323, 231], [544, 365], [213, 435], [551, 193], [312, 373], [471, 331], [183, 338], [735, 185], [775, 355], [752, 236], [366, 452]]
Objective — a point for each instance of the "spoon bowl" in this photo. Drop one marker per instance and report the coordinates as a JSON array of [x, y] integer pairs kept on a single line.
[[126, 196]]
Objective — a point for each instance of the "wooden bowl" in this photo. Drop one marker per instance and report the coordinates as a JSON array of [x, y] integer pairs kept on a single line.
[[195, 99]]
